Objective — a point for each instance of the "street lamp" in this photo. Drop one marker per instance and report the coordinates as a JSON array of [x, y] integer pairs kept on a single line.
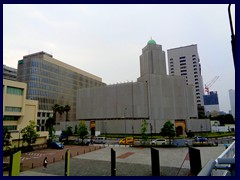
[[125, 123], [232, 34], [19, 133]]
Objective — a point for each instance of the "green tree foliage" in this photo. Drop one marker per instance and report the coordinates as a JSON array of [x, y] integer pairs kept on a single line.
[[168, 130], [6, 138], [223, 119], [67, 108], [76, 129], [144, 126], [55, 110], [82, 131], [60, 111], [30, 134]]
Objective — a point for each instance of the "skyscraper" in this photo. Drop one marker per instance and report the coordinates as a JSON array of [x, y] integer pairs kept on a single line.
[[51, 81], [232, 101], [185, 61]]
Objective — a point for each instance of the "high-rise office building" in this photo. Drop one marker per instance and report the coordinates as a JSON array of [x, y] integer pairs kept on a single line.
[[185, 61], [51, 81], [232, 101], [211, 104], [9, 73]]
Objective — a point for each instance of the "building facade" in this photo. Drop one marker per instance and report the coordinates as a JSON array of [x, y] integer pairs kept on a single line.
[[211, 104], [232, 101], [185, 61], [9, 73], [51, 81], [156, 97], [18, 110]]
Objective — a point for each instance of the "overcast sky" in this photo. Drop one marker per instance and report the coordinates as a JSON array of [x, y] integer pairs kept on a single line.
[[107, 40]]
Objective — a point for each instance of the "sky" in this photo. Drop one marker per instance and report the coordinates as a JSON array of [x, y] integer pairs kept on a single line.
[[107, 40]]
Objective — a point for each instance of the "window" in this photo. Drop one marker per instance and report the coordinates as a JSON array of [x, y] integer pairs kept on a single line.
[[181, 64], [172, 72], [197, 86], [184, 70], [195, 69], [183, 74], [183, 57], [14, 90], [194, 62], [182, 61], [183, 67], [10, 127], [13, 109], [196, 82], [193, 55], [195, 72], [196, 79], [10, 118], [196, 76], [195, 65]]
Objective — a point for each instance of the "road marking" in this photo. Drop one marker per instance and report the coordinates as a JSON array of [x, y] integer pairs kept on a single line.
[[125, 155]]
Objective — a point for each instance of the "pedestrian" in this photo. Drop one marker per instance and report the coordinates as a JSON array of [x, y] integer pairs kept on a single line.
[[45, 162]]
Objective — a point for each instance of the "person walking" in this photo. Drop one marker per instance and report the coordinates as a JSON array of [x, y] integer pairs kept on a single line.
[[45, 162]]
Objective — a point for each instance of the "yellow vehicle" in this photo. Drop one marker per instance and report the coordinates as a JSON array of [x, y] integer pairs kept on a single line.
[[126, 141]]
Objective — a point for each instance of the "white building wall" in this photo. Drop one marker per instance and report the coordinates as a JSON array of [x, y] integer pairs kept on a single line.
[[190, 69], [232, 101]]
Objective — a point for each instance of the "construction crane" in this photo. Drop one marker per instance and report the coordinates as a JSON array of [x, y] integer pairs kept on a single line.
[[209, 84]]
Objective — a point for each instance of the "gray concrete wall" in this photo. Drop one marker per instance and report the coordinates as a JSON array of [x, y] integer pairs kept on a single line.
[[195, 125], [128, 100]]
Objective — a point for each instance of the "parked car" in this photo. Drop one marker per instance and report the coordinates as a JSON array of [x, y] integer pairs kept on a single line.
[[56, 145], [85, 141], [159, 142], [99, 140], [200, 139], [126, 141]]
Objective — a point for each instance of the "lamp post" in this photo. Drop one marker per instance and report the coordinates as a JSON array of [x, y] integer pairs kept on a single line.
[[232, 34], [125, 124], [19, 133]]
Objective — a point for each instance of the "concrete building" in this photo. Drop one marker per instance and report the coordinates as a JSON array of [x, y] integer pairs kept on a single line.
[[18, 111], [156, 97], [232, 101], [211, 103], [51, 81], [9, 73], [184, 61]]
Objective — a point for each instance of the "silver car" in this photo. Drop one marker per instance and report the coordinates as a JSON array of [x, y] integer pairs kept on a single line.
[[159, 142]]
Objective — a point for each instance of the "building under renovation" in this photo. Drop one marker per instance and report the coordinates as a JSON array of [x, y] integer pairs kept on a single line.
[[155, 97]]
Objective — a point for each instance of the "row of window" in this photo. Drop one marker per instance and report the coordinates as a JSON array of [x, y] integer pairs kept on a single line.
[[13, 109], [10, 127], [14, 90]]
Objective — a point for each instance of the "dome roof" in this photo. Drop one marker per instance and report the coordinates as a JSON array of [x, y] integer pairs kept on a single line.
[[151, 41]]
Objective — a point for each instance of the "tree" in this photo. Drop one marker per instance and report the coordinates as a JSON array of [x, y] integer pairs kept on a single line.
[[67, 108], [60, 111], [82, 131], [223, 119], [49, 125], [144, 126], [30, 134], [6, 138], [55, 110], [168, 130]]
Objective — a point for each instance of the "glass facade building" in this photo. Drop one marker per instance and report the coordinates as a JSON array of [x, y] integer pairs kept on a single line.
[[51, 81]]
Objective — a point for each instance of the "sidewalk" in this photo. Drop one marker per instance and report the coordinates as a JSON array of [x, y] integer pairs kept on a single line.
[[129, 162]]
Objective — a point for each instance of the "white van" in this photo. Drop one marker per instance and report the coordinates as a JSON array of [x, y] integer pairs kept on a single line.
[[99, 140]]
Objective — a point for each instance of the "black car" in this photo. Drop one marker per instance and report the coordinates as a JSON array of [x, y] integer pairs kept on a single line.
[[56, 145]]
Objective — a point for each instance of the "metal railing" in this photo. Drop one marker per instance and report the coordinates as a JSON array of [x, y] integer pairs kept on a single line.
[[224, 165]]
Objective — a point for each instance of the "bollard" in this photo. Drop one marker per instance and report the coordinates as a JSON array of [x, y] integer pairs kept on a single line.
[[77, 152], [53, 159], [62, 157], [95, 148], [84, 151], [32, 166]]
